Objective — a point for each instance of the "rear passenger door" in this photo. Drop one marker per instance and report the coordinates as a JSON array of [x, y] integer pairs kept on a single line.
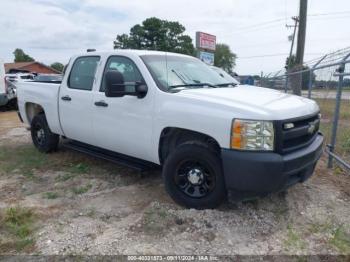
[[75, 99]]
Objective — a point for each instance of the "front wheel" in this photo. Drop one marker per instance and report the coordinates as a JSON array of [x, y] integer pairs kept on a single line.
[[193, 177], [43, 139]]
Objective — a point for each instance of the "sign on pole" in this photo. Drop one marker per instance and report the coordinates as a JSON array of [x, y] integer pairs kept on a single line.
[[206, 45], [206, 57], [205, 41]]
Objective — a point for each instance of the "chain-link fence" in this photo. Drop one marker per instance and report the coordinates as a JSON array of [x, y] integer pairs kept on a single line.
[[325, 80]]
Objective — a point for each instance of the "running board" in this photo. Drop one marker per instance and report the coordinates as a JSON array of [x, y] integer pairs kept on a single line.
[[120, 159]]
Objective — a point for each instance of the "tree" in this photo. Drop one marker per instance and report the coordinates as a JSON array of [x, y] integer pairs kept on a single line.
[[20, 56], [294, 79], [156, 34], [224, 58], [58, 66]]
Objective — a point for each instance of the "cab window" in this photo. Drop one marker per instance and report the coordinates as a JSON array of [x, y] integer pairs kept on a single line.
[[127, 68], [83, 72]]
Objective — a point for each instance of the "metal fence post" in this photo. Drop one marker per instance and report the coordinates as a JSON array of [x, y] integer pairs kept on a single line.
[[337, 110], [311, 74], [310, 84], [286, 84]]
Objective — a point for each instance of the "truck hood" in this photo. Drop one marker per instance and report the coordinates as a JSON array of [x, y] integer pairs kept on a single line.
[[268, 104]]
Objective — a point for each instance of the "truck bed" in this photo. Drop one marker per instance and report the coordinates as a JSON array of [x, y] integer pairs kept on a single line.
[[43, 94]]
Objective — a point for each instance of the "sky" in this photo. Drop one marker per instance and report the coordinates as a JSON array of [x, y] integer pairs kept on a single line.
[[255, 30]]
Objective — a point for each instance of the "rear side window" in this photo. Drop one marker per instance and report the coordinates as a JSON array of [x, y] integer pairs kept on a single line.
[[83, 72]]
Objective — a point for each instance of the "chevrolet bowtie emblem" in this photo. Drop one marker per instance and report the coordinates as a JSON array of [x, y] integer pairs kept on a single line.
[[312, 127]]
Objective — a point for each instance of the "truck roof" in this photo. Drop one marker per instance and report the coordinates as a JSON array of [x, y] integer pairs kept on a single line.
[[129, 51]]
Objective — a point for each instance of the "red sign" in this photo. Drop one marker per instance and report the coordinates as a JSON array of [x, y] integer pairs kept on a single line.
[[205, 41]]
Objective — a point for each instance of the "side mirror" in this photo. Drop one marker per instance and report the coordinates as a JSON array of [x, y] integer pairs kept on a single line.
[[115, 85], [141, 90]]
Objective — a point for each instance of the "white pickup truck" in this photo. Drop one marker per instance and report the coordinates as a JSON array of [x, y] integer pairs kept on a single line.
[[7, 89], [155, 108]]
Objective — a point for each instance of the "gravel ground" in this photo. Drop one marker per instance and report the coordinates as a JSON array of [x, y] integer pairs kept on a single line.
[[100, 208]]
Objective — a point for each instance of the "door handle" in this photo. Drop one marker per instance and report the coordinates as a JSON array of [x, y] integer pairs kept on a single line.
[[101, 103], [66, 98]]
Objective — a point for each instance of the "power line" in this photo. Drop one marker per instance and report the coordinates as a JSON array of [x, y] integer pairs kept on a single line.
[[251, 30], [328, 18], [260, 24], [329, 14], [271, 55], [268, 22]]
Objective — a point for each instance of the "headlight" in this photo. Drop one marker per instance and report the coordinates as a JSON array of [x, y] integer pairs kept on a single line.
[[252, 135]]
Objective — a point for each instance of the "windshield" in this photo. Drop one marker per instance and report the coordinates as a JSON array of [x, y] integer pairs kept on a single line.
[[170, 71], [225, 75]]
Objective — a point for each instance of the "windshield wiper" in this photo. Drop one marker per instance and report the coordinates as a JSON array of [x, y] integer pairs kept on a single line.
[[226, 84], [194, 85]]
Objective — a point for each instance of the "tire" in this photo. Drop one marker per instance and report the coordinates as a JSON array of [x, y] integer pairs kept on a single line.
[[193, 177], [43, 139]]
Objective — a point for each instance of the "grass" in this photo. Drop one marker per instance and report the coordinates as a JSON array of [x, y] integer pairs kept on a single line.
[[17, 224], [327, 107], [64, 177], [22, 158], [339, 237], [156, 220], [25, 159], [50, 195], [82, 189], [80, 168], [320, 228], [294, 240], [341, 240]]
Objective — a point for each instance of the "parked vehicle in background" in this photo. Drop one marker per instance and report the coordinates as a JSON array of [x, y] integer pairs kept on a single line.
[[149, 108], [49, 78], [20, 77], [3, 96], [7, 91], [225, 75]]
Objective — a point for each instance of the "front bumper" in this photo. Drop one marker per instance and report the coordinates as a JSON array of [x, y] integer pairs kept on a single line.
[[252, 174]]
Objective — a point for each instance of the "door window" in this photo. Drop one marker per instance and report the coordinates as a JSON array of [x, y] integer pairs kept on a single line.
[[83, 73], [127, 68]]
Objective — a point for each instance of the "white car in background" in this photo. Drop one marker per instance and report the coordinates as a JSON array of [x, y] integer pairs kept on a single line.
[[20, 77], [7, 90]]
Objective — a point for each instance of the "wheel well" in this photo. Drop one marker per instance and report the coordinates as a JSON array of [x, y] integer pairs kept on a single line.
[[32, 110], [171, 137]]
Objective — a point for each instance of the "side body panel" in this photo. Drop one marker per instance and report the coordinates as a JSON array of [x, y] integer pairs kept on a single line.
[[43, 94]]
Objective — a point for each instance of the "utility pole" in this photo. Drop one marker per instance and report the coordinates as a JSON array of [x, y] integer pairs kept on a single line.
[[300, 45], [296, 21], [301, 32], [289, 61]]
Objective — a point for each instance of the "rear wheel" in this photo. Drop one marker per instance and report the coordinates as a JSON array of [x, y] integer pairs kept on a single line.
[[193, 176], [43, 139]]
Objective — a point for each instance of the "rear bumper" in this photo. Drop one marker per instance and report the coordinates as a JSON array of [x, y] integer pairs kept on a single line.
[[259, 173]]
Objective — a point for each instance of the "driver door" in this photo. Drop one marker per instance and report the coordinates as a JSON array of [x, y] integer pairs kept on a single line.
[[123, 124]]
